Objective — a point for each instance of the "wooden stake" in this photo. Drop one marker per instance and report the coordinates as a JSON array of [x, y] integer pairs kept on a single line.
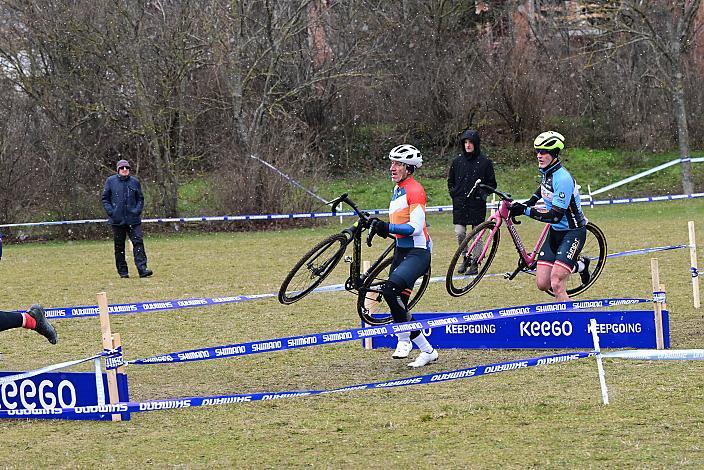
[[693, 262], [657, 306], [108, 343]]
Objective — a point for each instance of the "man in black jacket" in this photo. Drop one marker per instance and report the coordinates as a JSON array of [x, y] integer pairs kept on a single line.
[[469, 166], [123, 202]]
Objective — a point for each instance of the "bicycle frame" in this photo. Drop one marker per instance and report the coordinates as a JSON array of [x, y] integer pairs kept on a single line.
[[354, 234], [354, 282], [500, 216]]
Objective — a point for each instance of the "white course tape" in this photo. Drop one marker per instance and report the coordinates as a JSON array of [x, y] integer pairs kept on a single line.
[[658, 354]]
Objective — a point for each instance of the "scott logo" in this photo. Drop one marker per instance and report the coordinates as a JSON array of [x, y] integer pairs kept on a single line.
[[545, 328]]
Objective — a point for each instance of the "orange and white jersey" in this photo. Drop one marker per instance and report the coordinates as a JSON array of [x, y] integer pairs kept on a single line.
[[407, 215]]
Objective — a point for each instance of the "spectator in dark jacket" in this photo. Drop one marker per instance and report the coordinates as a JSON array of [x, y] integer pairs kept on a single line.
[[123, 202], [469, 166]]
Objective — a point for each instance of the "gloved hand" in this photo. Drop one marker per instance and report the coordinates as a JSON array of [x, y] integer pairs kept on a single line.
[[517, 209], [380, 227]]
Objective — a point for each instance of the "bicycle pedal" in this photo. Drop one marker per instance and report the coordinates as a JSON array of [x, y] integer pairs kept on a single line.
[[348, 259], [507, 275]]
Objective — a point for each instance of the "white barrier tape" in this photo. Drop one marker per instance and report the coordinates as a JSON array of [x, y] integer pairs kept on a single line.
[[51, 368], [320, 215], [658, 354]]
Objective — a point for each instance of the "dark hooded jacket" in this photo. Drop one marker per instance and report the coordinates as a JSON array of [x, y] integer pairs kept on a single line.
[[123, 200], [466, 168]]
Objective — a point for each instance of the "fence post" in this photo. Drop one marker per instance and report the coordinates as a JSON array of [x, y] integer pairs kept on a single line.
[[693, 261], [658, 305], [108, 343]]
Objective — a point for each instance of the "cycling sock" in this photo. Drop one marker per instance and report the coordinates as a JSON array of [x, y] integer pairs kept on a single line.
[[422, 343], [405, 336], [28, 321], [579, 267]]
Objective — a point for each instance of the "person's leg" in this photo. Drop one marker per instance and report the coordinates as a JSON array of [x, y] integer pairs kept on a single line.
[[140, 255], [566, 260], [460, 233], [33, 319], [412, 266], [546, 259], [472, 269], [9, 320], [543, 274], [119, 233], [558, 282]]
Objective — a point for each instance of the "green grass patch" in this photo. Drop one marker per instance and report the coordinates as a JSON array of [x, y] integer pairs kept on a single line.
[[542, 417]]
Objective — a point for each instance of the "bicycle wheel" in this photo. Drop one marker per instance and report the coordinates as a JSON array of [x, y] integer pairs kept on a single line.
[[310, 270], [370, 300], [595, 250], [458, 285]]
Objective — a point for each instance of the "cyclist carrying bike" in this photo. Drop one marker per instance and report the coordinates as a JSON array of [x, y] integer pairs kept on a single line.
[[559, 255], [413, 247]]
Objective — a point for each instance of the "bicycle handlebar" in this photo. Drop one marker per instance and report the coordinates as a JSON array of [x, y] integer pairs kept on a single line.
[[364, 216], [344, 198], [478, 184]]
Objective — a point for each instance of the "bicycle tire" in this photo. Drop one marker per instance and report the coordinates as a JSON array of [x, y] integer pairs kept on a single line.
[[370, 301], [311, 275], [594, 248], [458, 286]]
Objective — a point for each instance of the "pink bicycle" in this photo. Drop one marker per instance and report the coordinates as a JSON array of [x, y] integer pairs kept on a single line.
[[479, 247]]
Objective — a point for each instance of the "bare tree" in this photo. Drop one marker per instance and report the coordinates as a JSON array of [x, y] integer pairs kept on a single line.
[[667, 28]]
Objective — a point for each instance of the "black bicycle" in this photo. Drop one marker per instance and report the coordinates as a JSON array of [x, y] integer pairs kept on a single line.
[[319, 262]]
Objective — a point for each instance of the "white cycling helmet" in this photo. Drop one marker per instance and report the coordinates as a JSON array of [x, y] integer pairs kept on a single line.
[[407, 154]]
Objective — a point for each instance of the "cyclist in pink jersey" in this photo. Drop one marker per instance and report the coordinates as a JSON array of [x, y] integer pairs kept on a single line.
[[413, 247]]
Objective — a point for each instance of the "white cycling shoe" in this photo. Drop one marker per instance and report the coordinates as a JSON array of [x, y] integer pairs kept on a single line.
[[424, 358], [403, 349]]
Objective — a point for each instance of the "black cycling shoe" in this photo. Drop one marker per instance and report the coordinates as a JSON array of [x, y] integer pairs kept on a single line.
[[464, 265], [473, 269], [124, 276], [146, 273], [584, 274], [44, 328]]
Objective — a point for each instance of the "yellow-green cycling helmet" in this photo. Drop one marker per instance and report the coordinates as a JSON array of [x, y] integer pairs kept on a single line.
[[551, 141]]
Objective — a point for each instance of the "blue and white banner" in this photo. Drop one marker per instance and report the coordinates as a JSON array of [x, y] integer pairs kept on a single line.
[[151, 306], [441, 319], [192, 402], [46, 395], [566, 329]]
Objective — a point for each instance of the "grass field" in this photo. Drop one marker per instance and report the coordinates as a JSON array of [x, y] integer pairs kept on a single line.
[[549, 416]]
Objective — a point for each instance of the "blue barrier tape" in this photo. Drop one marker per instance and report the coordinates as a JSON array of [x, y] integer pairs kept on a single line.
[[659, 297], [317, 215], [152, 306], [192, 402], [114, 359], [658, 354], [318, 339], [694, 271], [161, 305]]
